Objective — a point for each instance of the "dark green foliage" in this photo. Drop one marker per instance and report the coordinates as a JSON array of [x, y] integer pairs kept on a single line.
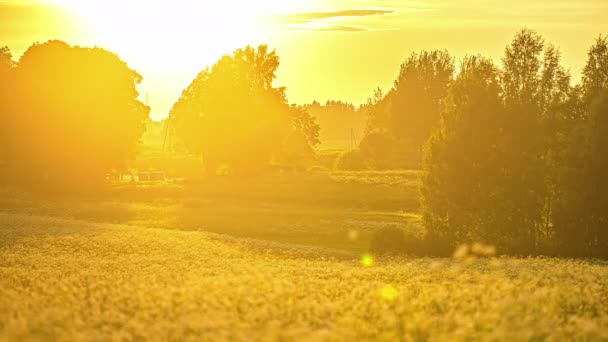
[[388, 240], [351, 161], [409, 112], [581, 215], [519, 160], [464, 192], [378, 149], [6, 66], [420, 90], [393, 240]]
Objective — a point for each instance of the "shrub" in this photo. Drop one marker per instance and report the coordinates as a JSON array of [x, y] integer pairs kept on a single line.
[[382, 151], [389, 240], [437, 246], [429, 246], [413, 245], [351, 161]]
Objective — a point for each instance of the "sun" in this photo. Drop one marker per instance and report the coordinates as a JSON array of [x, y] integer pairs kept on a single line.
[[153, 31], [138, 23], [173, 41]]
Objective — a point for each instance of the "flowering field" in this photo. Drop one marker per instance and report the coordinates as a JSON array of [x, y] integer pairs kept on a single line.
[[71, 279]]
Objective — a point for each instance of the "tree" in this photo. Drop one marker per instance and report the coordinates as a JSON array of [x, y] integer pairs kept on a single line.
[[463, 190], [420, 90], [581, 218], [411, 110], [487, 170], [232, 114], [6, 60], [595, 73], [377, 115], [6, 67], [72, 115], [535, 87], [297, 148], [378, 148], [305, 124]]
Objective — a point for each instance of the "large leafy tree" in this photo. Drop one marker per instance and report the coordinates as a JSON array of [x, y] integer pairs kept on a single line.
[[73, 114], [232, 114]]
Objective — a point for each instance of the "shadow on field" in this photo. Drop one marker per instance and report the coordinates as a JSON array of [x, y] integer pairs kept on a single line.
[[337, 210]]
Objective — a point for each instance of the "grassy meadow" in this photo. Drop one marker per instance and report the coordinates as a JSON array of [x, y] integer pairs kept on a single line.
[[335, 210], [282, 258], [462, 199]]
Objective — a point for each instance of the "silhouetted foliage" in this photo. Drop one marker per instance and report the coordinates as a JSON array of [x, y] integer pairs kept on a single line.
[[233, 115], [6, 66], [6, 61], [378, 149], [581, 215], [304, 123], [419, 94], [519, 157], [352, 160], [388, 240], [515, 156], [411, 110], [464, 185], [71, 115], [377, 108]]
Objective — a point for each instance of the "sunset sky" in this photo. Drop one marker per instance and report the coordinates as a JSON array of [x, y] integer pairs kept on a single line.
[[329, 49]]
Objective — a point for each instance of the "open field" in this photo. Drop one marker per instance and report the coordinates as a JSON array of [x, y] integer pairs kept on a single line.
[[144, 261], [73, 279], [336, 210], [303, 170]]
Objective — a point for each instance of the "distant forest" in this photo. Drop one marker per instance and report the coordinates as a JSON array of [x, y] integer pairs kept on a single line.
[[512, 153]]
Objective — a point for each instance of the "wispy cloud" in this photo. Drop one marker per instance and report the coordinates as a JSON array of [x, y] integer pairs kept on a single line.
[[328, 28], [310, 16], [325, 21]]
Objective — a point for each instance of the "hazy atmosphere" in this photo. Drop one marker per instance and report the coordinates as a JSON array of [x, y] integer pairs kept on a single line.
[[330, 49], [321, 170]]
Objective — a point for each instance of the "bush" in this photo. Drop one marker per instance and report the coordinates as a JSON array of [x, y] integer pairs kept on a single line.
[[392, 240], [436, 246], [388, 240], [429, 246], [351, 161]]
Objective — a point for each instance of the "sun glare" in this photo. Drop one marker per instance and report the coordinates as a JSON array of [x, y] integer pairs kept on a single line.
[[123, 24], [286, 170], [175, 40]]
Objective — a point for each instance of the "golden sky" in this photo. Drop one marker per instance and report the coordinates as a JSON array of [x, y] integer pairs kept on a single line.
[[329, 49]]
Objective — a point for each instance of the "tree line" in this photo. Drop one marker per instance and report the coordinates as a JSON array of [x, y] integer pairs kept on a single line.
[[512, 154], [519, 155]]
